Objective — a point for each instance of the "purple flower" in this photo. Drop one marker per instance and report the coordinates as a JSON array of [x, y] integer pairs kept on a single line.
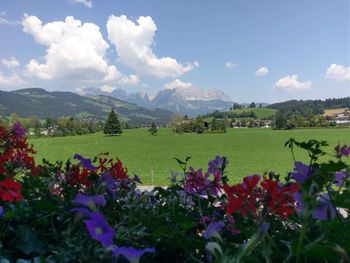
[[213, 229], [89, 200], [324, 208], [264, 227], [137, 179], [340, 178], [99, 229], [218, 163], [1, 211], [109, 183], [302, 172], [342, 151], [18, 129], [130, 253], [86, 163]]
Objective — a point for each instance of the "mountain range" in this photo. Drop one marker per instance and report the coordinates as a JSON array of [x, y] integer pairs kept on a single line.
[[184, 100], [36, 101]]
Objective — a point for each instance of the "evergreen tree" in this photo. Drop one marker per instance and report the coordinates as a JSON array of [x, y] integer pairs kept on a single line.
[[112, 125], [153, 130]]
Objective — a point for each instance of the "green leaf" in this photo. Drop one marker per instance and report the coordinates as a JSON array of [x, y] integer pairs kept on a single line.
[[28, 241]]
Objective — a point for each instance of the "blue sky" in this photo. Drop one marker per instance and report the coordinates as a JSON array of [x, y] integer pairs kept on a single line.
[[302, 48]]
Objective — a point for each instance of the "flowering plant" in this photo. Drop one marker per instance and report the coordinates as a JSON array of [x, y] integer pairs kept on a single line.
[[92, 210]]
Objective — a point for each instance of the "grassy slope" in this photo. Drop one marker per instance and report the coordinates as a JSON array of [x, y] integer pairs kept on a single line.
[[248, 150], [260, 112]]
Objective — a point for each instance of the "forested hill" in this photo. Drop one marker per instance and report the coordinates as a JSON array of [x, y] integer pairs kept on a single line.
[[316, 106], [35, 101]]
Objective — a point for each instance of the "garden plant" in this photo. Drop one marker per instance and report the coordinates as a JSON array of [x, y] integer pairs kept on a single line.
[[87, 210]]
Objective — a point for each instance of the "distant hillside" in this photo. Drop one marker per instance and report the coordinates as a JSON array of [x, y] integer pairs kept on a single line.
[[35, 101], [244, 113], [317, 106], [261, 113]]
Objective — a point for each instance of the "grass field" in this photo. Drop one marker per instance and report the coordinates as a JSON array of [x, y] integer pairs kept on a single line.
[[331, 112], [248, 150], [260, 112]]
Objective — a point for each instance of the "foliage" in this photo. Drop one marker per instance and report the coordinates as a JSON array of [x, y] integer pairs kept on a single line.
[[112, 125], [92, 211], [153, 130]]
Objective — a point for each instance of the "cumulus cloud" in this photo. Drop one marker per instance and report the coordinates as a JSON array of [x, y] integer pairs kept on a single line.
[[11, 62], [133, 43], [291, 83], [75, 53], [263, 71], [10, 80], [177, 83], [230, 65], [87, 3], [338, 72]]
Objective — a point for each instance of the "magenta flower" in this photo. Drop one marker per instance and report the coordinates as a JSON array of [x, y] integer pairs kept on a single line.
[[219, 163], [86, 163], [89, 201], [99, 229], [342, 151], [18, 129], [131, 254], [301, 172], [213, 229]]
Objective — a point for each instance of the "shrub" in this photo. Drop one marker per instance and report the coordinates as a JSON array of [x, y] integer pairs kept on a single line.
[[92, 210]]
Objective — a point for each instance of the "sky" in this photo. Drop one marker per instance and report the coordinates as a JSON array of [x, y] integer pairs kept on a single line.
[[253, 50]]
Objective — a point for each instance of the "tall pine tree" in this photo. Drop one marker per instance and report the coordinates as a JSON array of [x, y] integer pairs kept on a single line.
[[112, 125]]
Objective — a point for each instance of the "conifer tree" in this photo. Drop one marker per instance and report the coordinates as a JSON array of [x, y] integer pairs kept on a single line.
[[153, 130], [112, 125]]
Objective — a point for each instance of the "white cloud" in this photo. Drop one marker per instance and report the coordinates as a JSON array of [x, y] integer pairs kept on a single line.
[[75, 53], [263, 71], [230, 65], [5, 21], [291, 83], [11, 62], [338, 72], [177, 83], [133, 43], [87, 3], [106, 88], [10, 81]]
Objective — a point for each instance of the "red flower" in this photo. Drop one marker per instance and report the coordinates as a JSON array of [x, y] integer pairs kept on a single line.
[[280, 198], [10, 190]]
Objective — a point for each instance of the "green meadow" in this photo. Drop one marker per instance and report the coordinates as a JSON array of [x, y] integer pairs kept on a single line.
[[249, 151]]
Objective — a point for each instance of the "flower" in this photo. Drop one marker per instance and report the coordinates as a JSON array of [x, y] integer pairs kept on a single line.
[[10, 190], [109, 183], [219, 163], [301, 172], [280, 198], [2, 211], [131, 254], [137, 179], [340, 178], [89, 200], [99, 229], [342, 151], [324, 208], [213, 229], [19, 130], [86, 163]]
